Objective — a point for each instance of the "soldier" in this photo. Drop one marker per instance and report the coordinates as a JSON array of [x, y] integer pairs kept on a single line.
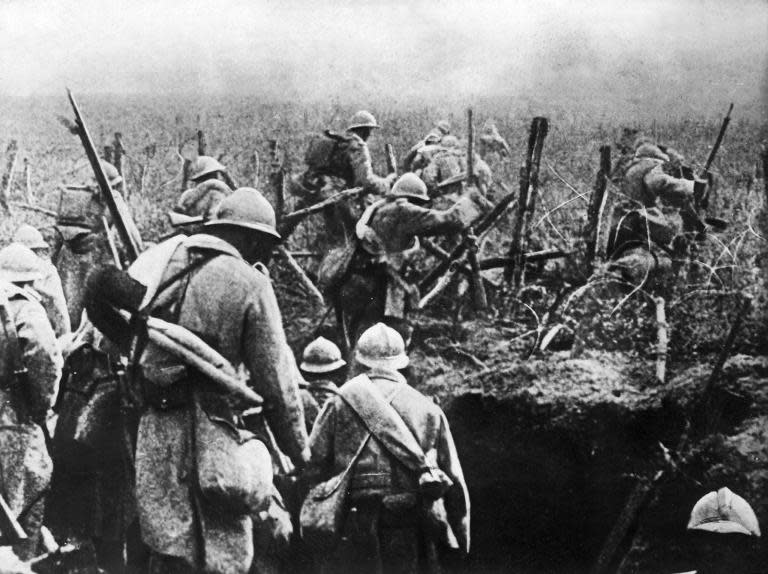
[[387, 234], [655, 209], [30, 367], [341, 161], [724, 529], [323, 370], [78, 241], [491, 141], [220, 290], [49, 286], [424, 146], [398, 486], [443, 168], [202, 200]]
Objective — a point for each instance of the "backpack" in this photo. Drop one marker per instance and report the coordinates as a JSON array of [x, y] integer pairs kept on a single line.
[[325, 155]]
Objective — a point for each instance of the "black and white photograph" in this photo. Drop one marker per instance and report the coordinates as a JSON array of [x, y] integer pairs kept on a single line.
[[383, 287]]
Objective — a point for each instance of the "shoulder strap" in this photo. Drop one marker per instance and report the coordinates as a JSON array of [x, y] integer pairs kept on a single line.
[[16, 355], [176, 277], [384, 422]]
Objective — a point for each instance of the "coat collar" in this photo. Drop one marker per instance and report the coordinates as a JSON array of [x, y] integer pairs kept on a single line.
[[205, 241], [388, 374]]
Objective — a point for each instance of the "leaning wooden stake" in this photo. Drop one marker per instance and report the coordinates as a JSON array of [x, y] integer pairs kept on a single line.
[[764, 156], [28, 195], [11, 153], [202, 144], [662, 340], [594, 240], [479, 296], [119, 152], [529, 182]]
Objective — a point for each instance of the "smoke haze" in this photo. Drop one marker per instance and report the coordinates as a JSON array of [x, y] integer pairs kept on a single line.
[[644, 56]]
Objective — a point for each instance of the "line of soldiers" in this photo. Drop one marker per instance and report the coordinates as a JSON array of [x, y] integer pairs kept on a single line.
[[144, 457], [131, 472]]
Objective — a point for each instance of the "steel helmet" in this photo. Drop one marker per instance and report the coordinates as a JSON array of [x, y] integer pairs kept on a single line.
[[724, 512], [381, 346], [19, 264], [444, 127], [363, 119], [410, 185], [29, 237], [113, 176], [321, 356], [204, 165], [246, 207]]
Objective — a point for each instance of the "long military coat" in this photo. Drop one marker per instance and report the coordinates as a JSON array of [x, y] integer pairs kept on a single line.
[[232, 307], [386, 532], [25, 466]]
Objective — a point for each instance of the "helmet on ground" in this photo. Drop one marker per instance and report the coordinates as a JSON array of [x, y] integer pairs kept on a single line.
[[410, 185], [650, 150], [363, 119], [321, 356], [29, 237], [19, 264], [246, 207], [724, 512], [113, 176], [444, 127], [204, 165], [381, 346]]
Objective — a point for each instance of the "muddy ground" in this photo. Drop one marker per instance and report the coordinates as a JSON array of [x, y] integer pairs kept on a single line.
[[552, 447]]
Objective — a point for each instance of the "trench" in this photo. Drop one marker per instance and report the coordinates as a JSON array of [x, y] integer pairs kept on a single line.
[[545, 494]]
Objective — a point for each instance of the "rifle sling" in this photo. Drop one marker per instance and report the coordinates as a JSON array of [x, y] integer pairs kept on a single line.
[[384, 422]]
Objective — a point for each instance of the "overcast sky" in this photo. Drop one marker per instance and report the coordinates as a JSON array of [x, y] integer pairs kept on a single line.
[[647, 50]]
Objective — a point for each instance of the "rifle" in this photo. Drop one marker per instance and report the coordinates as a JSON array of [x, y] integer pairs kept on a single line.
[[391, 161], [11, 532], [529, 182], [479, 297], [702, 199], [115, 205], [111, 242], [290, 220], [485, 224]]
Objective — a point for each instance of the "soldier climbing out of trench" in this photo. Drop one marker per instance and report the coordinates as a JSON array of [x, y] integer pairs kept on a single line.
[[655, 217], [336, 162], [372, 288]]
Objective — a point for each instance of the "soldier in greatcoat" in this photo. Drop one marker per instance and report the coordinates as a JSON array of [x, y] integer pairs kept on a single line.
[[341, 161], [387, 234], [226, 299], [49, 286], [78, 239], [324, 370], [654, 211], [30, 367], [394, 522]]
